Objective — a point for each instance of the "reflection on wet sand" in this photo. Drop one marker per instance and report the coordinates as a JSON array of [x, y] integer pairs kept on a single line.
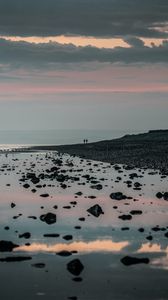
[[159, 262], [81, 247], [152, 248], [77, 191]]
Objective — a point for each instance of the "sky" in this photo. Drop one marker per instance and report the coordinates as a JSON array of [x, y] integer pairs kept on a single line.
[[89, 64]]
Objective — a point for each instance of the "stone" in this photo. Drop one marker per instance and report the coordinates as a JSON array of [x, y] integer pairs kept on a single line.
[[117, 196], [15, 258], [13, 205], [64, 253], [75, 267], [44, 195], [129, 260], [48, 218], [67, 237], [136, 212], [7, 246], [95, 210], [25, 235], [125, 217]]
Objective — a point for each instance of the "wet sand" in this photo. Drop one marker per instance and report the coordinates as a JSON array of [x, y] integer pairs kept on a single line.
[[74, 228]]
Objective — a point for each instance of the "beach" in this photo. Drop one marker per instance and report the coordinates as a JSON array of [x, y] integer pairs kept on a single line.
[[76, 228]]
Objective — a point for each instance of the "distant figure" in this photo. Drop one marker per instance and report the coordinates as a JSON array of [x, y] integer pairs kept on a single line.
[[86, 141]]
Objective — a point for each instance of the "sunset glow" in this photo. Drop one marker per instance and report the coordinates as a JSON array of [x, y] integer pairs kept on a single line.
[[81, 41], [81, 247]]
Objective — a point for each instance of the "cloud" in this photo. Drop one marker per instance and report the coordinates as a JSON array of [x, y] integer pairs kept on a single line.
[[98, 18], [30, 55], [134, 42]]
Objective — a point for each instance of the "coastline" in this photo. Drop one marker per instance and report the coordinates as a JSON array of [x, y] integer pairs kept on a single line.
[[146, 150]]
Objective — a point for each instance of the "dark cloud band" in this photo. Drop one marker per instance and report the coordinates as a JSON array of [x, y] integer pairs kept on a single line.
[[103, 18], [23, 54]]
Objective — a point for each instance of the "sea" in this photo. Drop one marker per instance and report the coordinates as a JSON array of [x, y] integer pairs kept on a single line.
[[11, 139]]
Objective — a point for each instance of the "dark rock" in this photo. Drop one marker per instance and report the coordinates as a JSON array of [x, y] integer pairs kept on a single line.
[[67, 237], [64, 253], [159, 195], [51, 235], [95, 210], [117, 196], [13, 205], [35, 180], [7, 246], [6, 228], [73, 202], [149, 238], [141, 229], [165, 196], [25, 235], [79, 193], [124, 228], [125, 217], [75, 267], [15, 258], [81, 219], [91, 197], [44, 195], [63, 185], [136, 212], [97, 187], [128, 260], [26, 185], [48, 218], [156, 229]]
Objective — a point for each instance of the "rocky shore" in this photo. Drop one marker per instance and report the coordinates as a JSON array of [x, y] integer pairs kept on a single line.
[[147, 150]]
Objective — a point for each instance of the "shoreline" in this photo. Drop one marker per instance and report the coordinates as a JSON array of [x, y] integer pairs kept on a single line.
[[146, 150]]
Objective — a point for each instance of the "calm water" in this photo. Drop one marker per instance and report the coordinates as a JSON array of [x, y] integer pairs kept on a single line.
[[99, 242], [13, 138]]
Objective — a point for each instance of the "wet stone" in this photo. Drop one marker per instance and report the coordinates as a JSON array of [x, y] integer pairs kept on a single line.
[[67, 237], [15, 258], [51, 235], [75, 267], [44, 195], [48, 218], [64, 253], [25, 235], [7, 246], [118, 196], [125, 217], [128, 260], [136, 212], [95, 210]]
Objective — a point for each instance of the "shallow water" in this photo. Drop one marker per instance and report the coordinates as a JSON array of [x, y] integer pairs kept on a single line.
[[100, 243]]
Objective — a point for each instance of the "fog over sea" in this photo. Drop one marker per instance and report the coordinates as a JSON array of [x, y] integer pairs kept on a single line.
[[18, 138]]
